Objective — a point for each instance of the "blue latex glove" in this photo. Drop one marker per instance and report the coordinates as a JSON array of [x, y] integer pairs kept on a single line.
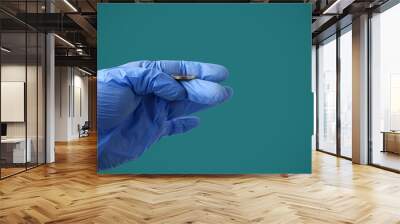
[[140, 102]]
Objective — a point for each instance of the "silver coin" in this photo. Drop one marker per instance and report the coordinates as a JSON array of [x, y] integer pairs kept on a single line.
[[183, 77]]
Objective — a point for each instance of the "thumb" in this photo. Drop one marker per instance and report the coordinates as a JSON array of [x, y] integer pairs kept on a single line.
[[179, 125], [145, 81]]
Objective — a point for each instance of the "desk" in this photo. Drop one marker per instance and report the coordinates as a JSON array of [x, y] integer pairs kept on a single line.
[[13, 150], [391, 141]]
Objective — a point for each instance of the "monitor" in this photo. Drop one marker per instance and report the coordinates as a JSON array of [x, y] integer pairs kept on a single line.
[[3, 129]]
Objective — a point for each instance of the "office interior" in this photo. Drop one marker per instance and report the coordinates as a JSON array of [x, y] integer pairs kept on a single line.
[[334, 73], [45, 96], [48, 90]]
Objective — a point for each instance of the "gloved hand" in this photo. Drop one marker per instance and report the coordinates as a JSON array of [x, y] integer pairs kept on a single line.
[[140, 102]]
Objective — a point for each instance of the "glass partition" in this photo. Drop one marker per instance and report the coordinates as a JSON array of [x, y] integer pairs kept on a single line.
[[32, 103], [14, 153], [31, 99], [22, 67]]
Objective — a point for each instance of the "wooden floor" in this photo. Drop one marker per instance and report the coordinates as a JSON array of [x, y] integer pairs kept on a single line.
[[386, 159], [70, 191], [5, 172]]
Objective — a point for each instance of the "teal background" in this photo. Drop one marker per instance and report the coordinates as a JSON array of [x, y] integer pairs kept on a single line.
[[267, 125]]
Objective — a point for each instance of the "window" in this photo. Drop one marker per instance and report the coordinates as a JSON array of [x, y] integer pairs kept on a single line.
[[385, 89], [346, 92], [327, 95]]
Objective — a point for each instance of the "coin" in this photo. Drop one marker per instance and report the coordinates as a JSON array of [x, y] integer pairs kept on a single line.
[[183, 77]]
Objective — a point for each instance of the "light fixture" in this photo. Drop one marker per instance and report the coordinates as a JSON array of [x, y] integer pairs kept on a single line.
[[5, 50], [70, 5], [84, 71], [65, 41], [79, 51], [337, 7]]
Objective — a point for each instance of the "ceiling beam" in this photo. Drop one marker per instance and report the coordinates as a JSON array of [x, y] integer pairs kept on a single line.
[[337, 6], [81, 61], [83, 23]]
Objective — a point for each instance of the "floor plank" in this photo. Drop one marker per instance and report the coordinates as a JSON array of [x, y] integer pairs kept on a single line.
[[70, 191]]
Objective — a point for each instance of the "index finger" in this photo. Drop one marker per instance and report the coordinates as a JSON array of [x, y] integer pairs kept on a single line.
[[204, 71]]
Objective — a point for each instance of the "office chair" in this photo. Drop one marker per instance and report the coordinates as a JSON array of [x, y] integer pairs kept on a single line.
[[84, 130]]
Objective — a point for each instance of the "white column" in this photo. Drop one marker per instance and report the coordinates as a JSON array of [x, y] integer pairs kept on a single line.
[[360, 90], [50, 92], [50, 99]]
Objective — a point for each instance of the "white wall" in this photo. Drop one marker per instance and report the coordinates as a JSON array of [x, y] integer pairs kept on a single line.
[[62, 82], [33, 127], [17, 72], [71, 102], [14, 72], [80, 108]]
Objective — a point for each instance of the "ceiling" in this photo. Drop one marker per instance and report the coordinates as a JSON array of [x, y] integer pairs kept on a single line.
[[75, 21]]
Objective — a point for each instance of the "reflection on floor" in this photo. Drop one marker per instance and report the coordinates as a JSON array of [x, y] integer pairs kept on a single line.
[[70, 191], [346, 152], [386, 159], [10, 170]]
